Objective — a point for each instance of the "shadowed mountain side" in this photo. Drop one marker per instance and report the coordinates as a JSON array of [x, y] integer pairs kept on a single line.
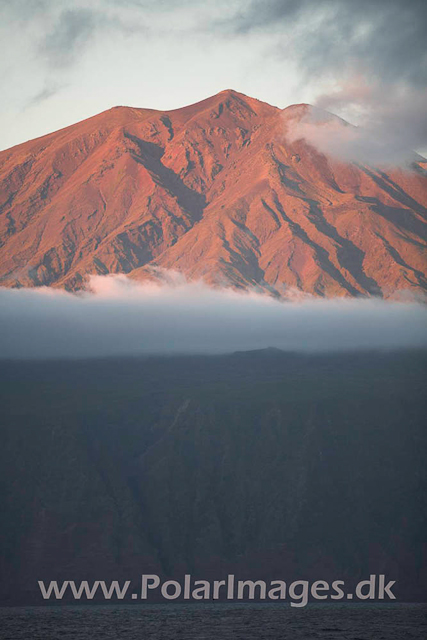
[[263, 464], [218, 190]]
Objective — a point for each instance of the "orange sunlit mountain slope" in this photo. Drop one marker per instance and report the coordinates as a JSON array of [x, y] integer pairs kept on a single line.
[[214, 190]]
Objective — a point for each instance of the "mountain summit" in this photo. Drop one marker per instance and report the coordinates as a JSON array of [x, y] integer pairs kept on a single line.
[[217, 190]]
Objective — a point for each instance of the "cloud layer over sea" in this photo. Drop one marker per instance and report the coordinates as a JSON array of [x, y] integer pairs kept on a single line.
[[117, 316]]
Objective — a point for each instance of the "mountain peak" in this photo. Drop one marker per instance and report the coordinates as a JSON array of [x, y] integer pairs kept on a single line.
[[311, 113], [226, 98], [215, 191]]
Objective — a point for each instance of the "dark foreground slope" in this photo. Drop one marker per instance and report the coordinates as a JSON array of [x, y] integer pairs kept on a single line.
[[264, 464]]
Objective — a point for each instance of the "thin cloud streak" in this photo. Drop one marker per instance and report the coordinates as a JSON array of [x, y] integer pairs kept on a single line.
[[120, 317]]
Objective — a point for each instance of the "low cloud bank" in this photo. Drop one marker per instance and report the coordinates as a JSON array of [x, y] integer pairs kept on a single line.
[[120, 317]]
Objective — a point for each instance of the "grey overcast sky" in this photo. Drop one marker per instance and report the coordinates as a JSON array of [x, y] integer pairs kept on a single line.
[[65, 60]]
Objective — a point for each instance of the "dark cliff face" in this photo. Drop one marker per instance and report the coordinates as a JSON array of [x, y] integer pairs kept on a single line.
[[265, 464]]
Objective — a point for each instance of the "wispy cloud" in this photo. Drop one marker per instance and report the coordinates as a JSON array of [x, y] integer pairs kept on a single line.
[[374, 56], [73, 29], [119, 316], [388, 132], [387, 39], [48, 91]]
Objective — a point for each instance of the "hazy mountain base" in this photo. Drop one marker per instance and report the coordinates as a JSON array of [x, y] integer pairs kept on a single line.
[[263, 464]]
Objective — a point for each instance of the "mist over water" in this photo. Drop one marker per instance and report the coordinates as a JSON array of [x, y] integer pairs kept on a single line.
[[120, 317]]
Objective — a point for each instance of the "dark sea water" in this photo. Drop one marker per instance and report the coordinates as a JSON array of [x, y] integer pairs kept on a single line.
[[215, 622]]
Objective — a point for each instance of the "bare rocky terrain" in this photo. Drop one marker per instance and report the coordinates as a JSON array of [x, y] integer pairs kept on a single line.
[[216, 190]]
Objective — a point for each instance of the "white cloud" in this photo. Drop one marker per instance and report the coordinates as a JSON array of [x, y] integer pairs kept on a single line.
[[120, 317], [388, 131]]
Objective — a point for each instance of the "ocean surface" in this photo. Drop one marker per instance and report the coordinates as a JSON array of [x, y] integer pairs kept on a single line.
[[359, 621]]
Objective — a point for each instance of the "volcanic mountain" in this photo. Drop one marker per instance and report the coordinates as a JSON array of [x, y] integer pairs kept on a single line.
[[217, 190]]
